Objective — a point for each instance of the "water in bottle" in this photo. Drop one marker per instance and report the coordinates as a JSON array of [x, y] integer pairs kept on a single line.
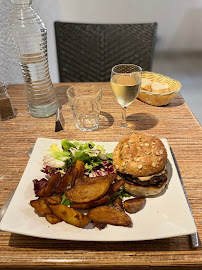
[[29, 37]]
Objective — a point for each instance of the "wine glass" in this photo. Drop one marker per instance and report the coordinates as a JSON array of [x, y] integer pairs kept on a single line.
[[125, 84]]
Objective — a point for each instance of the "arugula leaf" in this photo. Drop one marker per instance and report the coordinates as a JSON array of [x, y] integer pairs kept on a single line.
[[66, 201], [110, 156], [84, 146], [60, 155], [66, 144], [101, 148], [54, 147], [124, 194], [82, 156]]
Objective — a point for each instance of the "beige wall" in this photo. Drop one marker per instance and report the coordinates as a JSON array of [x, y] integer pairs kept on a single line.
[[179, 21]]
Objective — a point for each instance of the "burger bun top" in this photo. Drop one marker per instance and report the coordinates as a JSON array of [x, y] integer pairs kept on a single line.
[[139, 155]]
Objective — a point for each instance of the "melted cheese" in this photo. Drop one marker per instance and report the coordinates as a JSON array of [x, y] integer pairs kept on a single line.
[[146, 178]]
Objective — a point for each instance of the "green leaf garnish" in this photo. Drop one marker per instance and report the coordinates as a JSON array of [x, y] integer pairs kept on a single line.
[[66, 201]]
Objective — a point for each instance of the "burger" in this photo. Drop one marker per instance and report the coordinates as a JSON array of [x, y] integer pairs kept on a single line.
[[140, 159]]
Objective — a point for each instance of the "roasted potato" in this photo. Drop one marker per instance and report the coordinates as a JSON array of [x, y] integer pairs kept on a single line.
[[69, 215], [84, 193], [118, 203], [110, 215], [89, 180], [78, 171], [115, 186], [100, 226], [52, 218], [91, 204], [40, 206], [74, 172], [112, 177], [134, 205], [65, 181], [53, 199], [50, 186]]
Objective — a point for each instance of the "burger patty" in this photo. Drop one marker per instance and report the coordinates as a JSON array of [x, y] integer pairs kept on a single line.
[[156, 180]]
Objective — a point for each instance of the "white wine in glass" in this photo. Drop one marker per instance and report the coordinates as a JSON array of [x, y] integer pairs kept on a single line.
[[125, 85]]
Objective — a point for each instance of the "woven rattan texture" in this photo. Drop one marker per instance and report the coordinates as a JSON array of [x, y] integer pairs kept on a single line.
[[87, 52], [174, 85]]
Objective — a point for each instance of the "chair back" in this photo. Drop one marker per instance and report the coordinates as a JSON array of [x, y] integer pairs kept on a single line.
[[87, 52]]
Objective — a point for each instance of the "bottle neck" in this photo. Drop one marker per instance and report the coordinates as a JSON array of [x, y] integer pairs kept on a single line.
[[21, 10]]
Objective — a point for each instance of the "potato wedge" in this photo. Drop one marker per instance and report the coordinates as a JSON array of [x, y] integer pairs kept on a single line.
[[114, 187], [112, 177], [65, 181], [100, 226], [50, 186], [134, 205], [84, 193], [86, 180], [70, 215], [52, 219], [110, 215], [91, 204], [118, 203], [40, 206], [78, 171], [53, 199], [74, 172]]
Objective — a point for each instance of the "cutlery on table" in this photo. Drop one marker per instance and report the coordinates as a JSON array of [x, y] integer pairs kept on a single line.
[[58, 124], [194, 236]]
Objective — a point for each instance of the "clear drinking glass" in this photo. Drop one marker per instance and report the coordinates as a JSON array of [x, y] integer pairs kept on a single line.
[[125, 84], [85, 102]]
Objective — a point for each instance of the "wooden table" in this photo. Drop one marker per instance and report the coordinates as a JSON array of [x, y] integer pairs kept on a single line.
[[174, 122]]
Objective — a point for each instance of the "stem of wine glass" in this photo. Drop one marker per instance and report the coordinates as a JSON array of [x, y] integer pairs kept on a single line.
[[123, 123]]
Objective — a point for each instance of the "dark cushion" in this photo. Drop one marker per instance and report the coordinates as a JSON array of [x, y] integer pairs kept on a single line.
[[87, 52]]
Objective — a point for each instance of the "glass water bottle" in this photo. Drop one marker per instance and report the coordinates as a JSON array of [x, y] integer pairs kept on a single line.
[[29, 37]]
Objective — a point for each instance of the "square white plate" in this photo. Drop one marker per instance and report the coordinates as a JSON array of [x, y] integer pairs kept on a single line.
[[166, 215]]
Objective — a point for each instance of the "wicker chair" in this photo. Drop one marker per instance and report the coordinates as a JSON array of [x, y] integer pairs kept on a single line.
[[87, 52]]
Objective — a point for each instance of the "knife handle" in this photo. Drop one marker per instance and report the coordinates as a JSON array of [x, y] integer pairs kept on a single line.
[[194, 240]]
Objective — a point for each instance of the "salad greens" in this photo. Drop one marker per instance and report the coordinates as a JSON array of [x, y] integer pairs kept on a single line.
[[65, 200], [93, 156]]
